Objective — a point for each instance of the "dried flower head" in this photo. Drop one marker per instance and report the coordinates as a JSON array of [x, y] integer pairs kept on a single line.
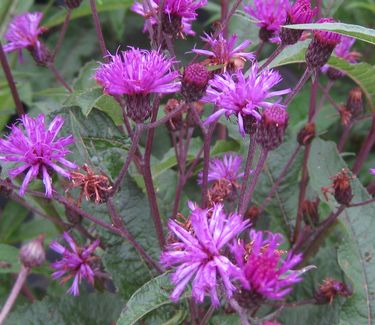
[[242, 96], [136, 74], [331, 288], [95, 187], [354, 102], [224, 52], [270, 15], [199, 253], [306, 134], [310, 212], [36, 148], [340, 187], [76, 263], [32, 254], [267, 272]]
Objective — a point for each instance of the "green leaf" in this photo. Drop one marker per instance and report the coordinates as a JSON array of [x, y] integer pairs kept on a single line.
[[358, 32], [85, 10], [93, 309], [356, 254], [11, 219], [149, 297], [9, 262]]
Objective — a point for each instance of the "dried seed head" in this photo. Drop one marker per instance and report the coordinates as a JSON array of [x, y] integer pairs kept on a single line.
[[272, 126], [310, 212], [138, 107], [354, 102], [72, 4], [177, 121], [32, 254], [194, 82], [329, 289], [322, 46], [96, 188], [342, 188], [306, 134]]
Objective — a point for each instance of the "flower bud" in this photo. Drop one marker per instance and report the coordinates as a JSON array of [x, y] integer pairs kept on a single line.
[[329, 289], [138, 107], [306, 134], [72, 4], [299, 13], [272, 126], [354, 102], [32, 254], [322, 46], [194, 82]]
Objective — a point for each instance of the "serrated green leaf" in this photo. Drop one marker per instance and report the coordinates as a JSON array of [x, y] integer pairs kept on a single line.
[[356, 31], [149, 297], [356, 254]]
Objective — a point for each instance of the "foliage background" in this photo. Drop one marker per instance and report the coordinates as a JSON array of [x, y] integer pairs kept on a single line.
[[347, 253]]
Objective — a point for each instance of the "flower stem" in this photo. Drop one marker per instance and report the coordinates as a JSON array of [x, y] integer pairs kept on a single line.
[[118, 222], [12, 86], [272, 57], [21, 278], [280, 178], [206, 164], [250, 190], [58, 76], [365, 149], [298, 87], [62, 34], [208, 315], [249, 162], [98, 28], [359, 204], [240, 311], [344, 137], [147, 176]]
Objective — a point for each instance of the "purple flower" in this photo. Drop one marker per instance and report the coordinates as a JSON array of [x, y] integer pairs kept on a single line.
[[372, 171], [242, 96], [224, 51], [36, 148], [23, 32], [182, 8], [199, 253], [301, 12], [327, 37], [270, 14], [267, 273], [137, 71], [75, 263], [227, 168]]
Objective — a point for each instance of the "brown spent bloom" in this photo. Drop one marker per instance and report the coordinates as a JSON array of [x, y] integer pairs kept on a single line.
[[306, 134], [96, 188], [345, 115], [220, 190], [354, 103], [329, 289], [340, 187]]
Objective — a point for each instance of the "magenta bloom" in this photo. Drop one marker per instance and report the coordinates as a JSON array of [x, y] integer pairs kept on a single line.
[[199, 253], [267, 273], [372, 171], [301, 12], [227, 168], [75, 263], [36, 148], [182, 8], [327, 37], [224, 51], [242, 96], [149, 14], [270, 14], [137, 71], [23, 32]]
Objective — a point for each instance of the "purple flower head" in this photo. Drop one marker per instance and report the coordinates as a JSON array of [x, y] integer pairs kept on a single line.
[[36, 149], [224, 51], [372, 171], [182, 8], [327, 37], [138, 72], [75, 263], [301, 12], [199, 253], [242, 96], [227, 168], [23, 32], [270, 14], [267, 273]]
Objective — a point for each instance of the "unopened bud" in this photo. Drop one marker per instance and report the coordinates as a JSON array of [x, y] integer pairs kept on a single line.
[[331, 288], [322, 46], [32, 254], [272, 126], [72, 4], [194, 82], [306, 134], [354, 102]]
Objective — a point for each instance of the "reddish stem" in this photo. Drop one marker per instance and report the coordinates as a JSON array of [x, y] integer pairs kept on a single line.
[[62, 34], [98, 28]]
